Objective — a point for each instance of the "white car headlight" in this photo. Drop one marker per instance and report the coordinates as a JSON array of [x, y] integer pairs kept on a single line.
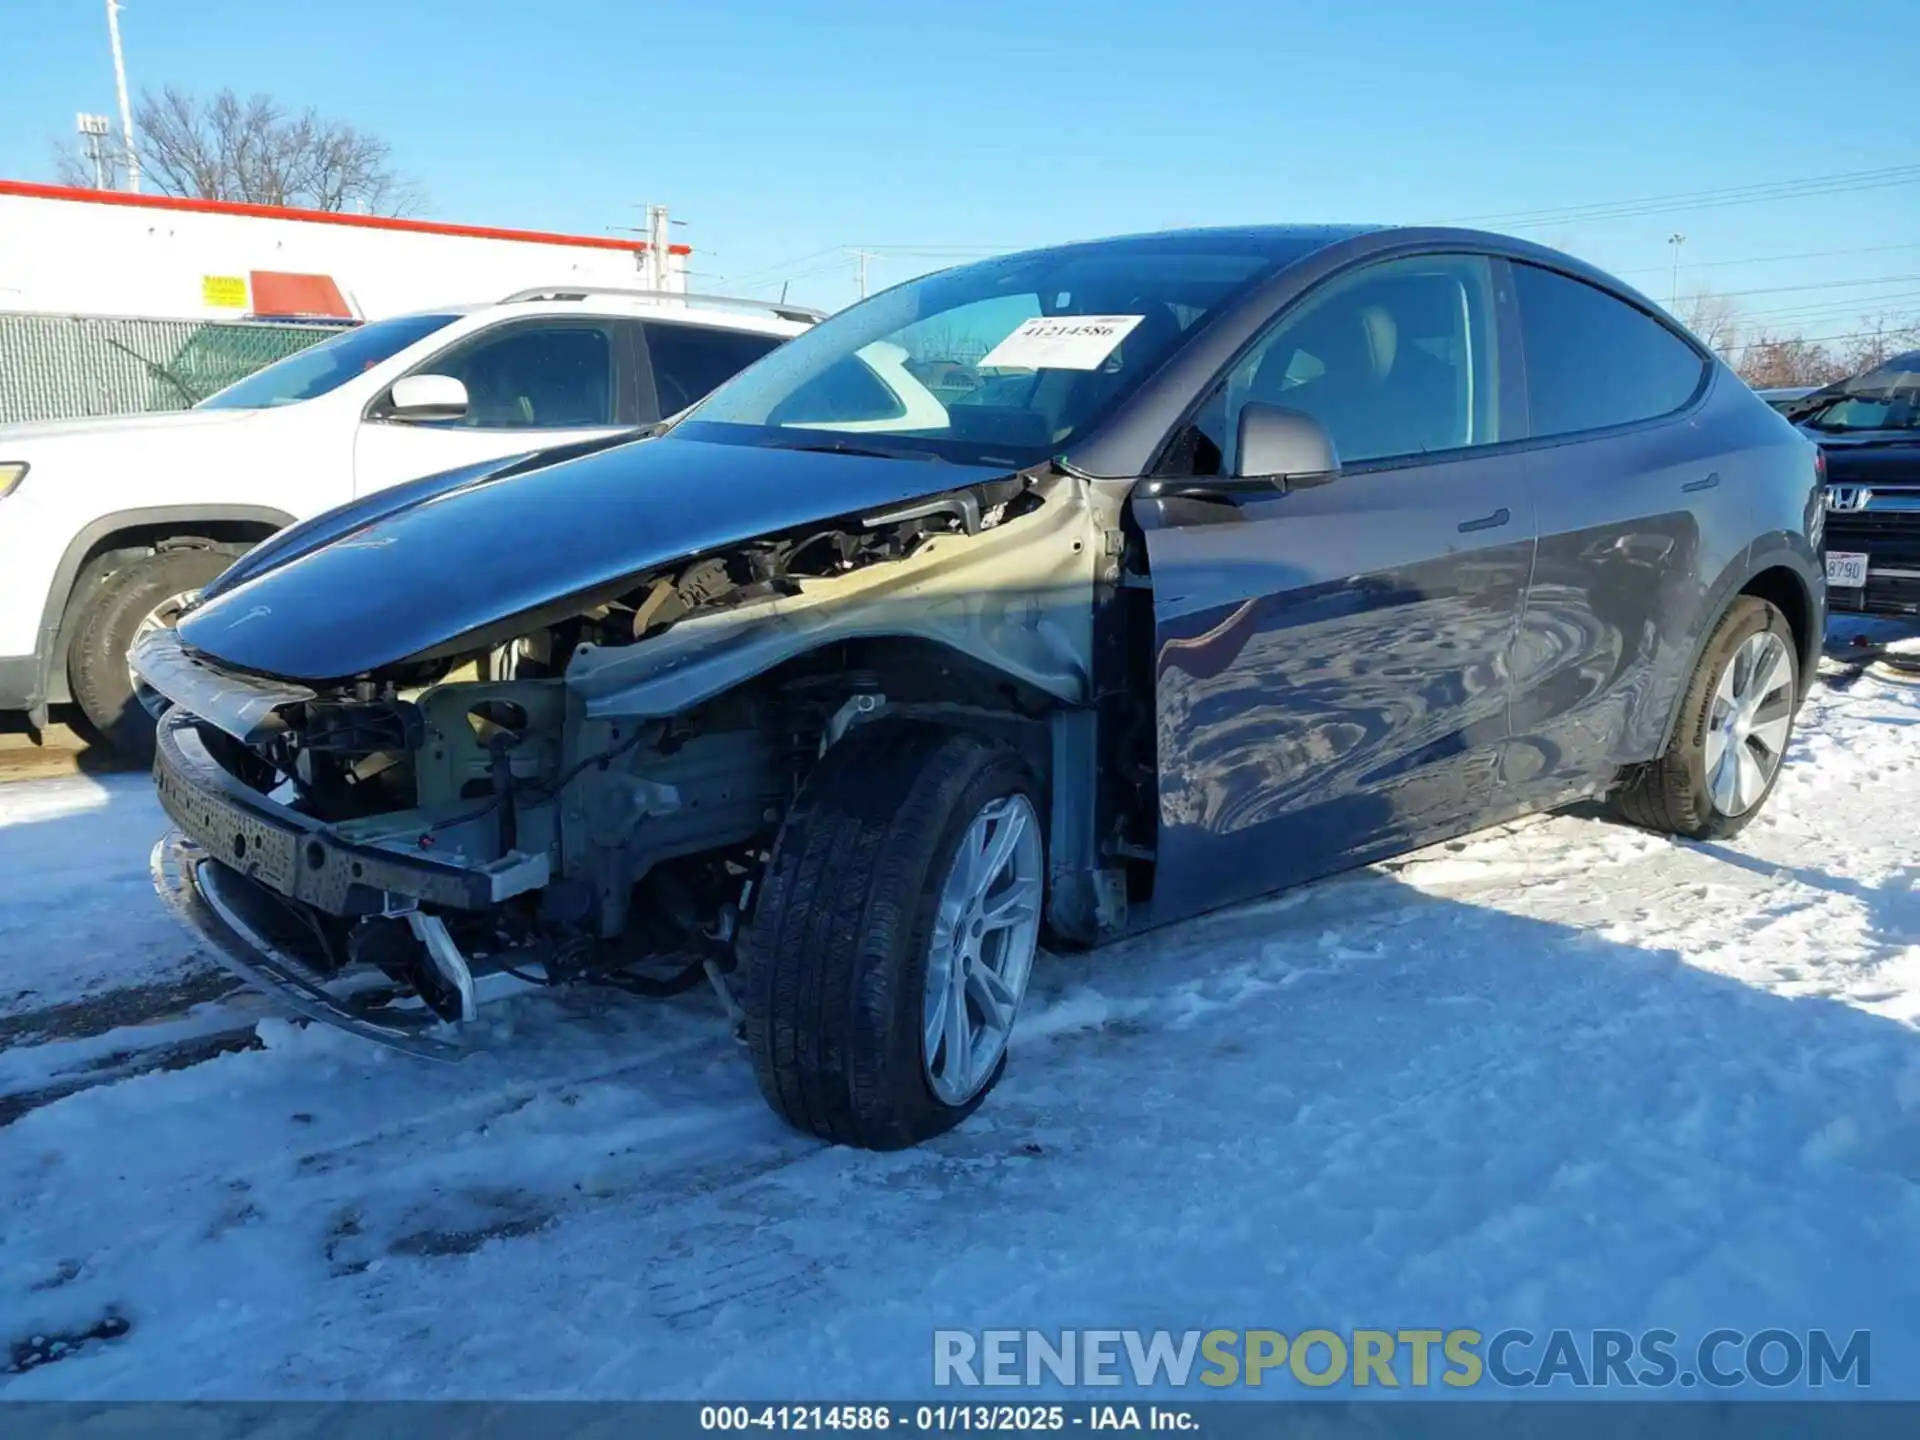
[[12, 472]]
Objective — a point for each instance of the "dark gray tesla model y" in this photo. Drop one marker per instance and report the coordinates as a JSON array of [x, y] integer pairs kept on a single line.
[[1061, 595]]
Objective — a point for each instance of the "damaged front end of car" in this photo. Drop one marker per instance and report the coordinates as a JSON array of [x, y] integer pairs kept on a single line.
[[585, 790]]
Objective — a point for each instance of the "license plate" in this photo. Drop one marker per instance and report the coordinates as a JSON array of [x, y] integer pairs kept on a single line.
[[1847, 568]]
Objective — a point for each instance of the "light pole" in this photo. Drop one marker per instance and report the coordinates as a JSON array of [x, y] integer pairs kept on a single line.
[[1676, 240], [126, 110]]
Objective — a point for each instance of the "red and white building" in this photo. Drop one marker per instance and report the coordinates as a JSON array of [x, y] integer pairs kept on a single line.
[[67, 251]]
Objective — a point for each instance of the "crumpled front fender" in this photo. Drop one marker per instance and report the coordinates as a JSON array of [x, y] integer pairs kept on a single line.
[[1018, 597]]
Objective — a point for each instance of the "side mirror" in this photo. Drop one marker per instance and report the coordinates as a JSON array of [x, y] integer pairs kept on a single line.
[[426, 397], [1288, 447]]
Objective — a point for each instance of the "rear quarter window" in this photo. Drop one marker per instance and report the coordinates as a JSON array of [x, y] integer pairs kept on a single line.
[[691, 360], [1594, 361]]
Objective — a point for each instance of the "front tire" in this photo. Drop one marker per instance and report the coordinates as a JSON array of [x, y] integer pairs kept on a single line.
[[1735, 724], [894, 935], [144, 593]]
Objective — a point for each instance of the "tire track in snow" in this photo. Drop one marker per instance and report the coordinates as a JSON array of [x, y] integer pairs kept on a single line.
[[128, 1006]]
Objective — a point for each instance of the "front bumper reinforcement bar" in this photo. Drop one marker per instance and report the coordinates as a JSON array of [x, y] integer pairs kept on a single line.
[[233, 916]]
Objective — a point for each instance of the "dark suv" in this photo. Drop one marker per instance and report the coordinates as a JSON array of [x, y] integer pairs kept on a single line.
[[1217, 561], [1868, 428]]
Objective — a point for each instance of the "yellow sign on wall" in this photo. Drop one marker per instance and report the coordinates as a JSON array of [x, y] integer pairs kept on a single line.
[[224, 292]]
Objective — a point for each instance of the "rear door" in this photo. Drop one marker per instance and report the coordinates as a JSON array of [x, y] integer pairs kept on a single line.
[[1331, 662], [530, 383], [1637, 508], [680, 364]]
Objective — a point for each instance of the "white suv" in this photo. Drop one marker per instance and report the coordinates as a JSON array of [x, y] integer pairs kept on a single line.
[[109, 526]]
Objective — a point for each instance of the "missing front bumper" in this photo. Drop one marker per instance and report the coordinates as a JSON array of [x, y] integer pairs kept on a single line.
[[242, 925], [306, 860]]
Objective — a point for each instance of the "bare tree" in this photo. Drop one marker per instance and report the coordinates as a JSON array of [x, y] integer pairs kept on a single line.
[[1878, 341], [255, 150], [1714, 319]]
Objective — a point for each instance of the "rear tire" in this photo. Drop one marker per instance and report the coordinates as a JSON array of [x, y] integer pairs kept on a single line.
[[852, 958], [1689, 791], [108, 623]]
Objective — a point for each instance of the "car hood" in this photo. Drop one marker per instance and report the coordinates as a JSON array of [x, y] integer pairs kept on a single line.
[[386, 579], [143, 427], [311, 534], [1864, 457]]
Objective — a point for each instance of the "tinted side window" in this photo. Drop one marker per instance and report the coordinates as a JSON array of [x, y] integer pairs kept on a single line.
[[690, 360], [1398, 359], [1594, 361], [533, 377]]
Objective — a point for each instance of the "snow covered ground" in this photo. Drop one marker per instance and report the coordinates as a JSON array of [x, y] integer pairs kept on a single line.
[[1565, 1074], [73, 865]]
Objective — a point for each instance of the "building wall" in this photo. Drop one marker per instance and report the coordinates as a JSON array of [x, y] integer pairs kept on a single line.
[[102, 254]]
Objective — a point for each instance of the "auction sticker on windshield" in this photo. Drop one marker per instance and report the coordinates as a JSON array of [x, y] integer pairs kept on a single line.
[[1061, 342]]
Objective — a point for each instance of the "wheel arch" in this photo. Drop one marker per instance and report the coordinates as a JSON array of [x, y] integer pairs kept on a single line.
[[931, 679], [927, 678], [1784, 579], [104, 543], [1061, 743], [1784, 589]]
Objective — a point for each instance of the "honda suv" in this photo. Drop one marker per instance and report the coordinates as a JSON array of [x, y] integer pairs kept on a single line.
[[1868, 427]]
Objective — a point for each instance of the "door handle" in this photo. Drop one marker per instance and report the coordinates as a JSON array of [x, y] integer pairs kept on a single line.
[[1486, 522], [1706, 484]]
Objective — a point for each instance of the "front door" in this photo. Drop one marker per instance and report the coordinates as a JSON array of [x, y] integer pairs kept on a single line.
[[531, 384], [1332, 682]]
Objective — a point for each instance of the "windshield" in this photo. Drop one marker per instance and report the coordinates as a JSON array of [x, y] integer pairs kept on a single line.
[[326, 366], [1886, 397], [1849, 412], [1001, 363]]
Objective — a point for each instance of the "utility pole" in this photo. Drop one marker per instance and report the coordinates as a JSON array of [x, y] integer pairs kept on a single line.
[[657, 251], [860, 258], [1676, 240], [656, 256], [93, 131]]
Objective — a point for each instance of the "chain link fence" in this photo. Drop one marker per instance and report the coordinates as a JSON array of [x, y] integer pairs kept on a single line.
[[59, 367]]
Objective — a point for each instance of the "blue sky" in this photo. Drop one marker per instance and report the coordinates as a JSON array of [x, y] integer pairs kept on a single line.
[[784, 132]]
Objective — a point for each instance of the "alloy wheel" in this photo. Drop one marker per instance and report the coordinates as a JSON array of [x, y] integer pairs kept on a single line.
[[1748, 722], [985, 933]]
